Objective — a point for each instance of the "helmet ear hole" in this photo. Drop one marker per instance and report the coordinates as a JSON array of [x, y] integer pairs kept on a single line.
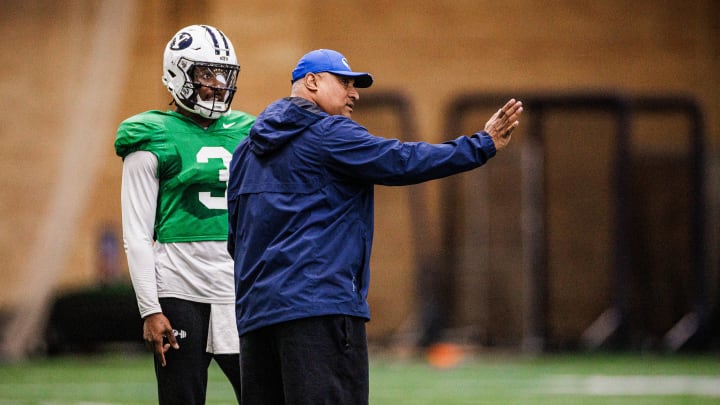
[[168, 80]]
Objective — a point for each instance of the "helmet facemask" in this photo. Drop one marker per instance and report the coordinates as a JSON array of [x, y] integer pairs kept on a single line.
[[215, 81]]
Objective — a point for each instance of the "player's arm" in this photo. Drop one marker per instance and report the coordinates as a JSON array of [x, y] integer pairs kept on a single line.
[[138, 196], [139, 191]]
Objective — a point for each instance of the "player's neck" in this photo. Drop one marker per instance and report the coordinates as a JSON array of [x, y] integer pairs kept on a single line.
[[198, 119]]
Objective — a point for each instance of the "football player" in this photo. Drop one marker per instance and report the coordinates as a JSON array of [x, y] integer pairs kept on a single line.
[[174, 214]]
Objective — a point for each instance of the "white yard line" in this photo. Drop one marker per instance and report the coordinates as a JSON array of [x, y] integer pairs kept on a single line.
[[632, 385]]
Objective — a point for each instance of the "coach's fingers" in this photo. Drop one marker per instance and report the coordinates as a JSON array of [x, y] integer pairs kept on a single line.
[[505, 117], [511, 111], [515, 111], [509, 106]]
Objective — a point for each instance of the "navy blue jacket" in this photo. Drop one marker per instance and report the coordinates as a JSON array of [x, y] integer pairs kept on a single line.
[[300, 205]]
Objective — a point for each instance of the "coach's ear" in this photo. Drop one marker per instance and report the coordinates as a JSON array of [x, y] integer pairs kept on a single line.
[[311, 81]]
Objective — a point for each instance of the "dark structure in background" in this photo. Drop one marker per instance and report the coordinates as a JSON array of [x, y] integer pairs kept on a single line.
[[90, 319], [631, 321]]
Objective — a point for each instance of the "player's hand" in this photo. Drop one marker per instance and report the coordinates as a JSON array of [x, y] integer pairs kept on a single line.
[[156, 327], [501, 125]]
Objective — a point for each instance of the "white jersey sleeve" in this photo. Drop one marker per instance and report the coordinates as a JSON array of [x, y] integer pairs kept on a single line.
[[139, 192]]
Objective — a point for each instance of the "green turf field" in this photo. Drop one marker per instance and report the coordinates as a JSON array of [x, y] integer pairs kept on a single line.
[[483, 379]]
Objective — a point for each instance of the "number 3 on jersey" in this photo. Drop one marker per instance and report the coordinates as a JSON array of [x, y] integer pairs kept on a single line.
[[203, 156]]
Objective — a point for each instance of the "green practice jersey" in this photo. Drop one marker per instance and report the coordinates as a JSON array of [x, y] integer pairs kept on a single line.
[[192, 168]]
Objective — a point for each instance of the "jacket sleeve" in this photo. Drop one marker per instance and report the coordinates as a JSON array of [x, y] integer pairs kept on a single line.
[[353, 152]]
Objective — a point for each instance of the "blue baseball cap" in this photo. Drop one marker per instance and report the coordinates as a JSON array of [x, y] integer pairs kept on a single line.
[[326, 60]]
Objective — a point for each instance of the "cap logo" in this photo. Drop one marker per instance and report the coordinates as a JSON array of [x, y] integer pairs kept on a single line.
[[345, 62], [181, 41]]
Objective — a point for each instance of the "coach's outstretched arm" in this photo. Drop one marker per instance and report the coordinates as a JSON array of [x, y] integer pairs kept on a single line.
[[501, 125]]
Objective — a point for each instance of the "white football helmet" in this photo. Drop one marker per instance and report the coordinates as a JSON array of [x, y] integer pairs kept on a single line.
[[200, 47]]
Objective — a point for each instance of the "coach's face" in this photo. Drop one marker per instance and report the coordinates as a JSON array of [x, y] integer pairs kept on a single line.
[[336, 95]]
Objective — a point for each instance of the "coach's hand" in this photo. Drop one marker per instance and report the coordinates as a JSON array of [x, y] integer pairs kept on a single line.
[[501, 125], [155, 328]]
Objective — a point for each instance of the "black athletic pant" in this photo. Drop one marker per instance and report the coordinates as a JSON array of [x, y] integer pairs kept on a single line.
[[319, 360], [184, 378]]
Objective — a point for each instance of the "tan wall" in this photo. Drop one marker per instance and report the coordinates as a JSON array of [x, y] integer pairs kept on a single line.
[[429, 50]]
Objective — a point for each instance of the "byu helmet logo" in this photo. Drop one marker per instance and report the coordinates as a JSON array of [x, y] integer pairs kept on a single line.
[[181, 41]]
